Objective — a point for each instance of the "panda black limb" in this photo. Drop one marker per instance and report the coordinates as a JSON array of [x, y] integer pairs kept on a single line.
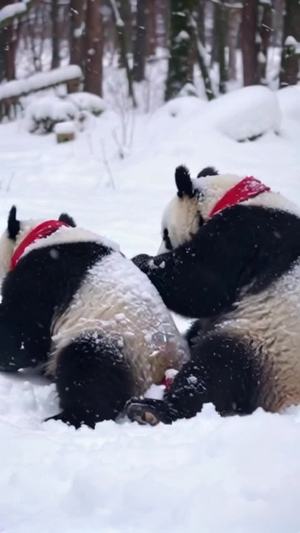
[[93, 381], [220, 371]]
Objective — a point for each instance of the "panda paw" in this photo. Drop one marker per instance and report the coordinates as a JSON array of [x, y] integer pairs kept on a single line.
[[71, 419], [148, 411], [142, 261]]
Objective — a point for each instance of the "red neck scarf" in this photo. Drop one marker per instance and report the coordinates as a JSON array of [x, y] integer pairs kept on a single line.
[[247, 188], [43, 230]]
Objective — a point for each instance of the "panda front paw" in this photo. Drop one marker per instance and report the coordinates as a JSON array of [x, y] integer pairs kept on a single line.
[[142, 261], [75, 419], [149, 411]]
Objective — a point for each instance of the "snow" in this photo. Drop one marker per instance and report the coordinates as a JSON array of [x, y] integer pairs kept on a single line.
[[208, 474], [12, 10], [39, 81], [65, 128], [43, 113], [88, 102], [289, 101], [292, 42], [246, 113]]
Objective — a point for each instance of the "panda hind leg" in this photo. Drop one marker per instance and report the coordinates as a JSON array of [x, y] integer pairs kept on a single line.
[[93, 381], [13, 351], [221, 371]]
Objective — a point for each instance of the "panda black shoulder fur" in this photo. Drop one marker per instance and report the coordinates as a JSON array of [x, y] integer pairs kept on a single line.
[[238, 272], [73, 302]]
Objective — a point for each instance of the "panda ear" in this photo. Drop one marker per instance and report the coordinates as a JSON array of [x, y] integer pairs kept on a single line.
[[64, 217], [208, 171], [183, 182], [13, 225]]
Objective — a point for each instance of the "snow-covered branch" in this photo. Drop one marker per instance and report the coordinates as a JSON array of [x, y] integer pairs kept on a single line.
[[291, 42], [118, 18]]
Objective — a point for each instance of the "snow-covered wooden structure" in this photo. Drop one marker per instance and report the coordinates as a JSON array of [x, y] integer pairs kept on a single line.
[[12, 91]]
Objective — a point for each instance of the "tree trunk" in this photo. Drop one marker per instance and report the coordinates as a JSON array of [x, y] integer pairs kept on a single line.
[[291, 36], [151, 14], [201, 20], [163, 22], [214, 35], [77, 30], [124, 9], [221, 30], [234, 21], [265, 33], [121, 32], [140, 46], [202, 60], [55, 34], [179, 68], [249, 43], [93, 48], [8, 46], [278, 16]]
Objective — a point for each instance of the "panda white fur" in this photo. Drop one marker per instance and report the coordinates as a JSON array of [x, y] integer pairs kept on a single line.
[[75, 304], [238, 272]]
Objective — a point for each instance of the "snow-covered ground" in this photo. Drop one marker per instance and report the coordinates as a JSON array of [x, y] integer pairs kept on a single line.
[[208, 474]]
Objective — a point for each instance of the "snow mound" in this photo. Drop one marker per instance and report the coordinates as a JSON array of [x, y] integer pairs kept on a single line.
[[289, 102], [181, 107], [246, 113], [88, 102], [169, 119], [44, 113], [65, 128]]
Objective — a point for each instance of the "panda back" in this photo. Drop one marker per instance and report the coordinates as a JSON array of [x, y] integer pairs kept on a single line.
[[116, 299], [270, 322]]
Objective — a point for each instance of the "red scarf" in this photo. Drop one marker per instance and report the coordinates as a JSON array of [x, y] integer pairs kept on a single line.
[[39, 232], [247, 188]]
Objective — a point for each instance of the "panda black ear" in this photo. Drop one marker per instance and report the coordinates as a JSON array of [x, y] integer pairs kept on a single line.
[[208, 171], [13, 225], [64, 217], [183, 182]]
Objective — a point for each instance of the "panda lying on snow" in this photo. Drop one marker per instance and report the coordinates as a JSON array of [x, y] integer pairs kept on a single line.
[[72, 301], [231, 258]]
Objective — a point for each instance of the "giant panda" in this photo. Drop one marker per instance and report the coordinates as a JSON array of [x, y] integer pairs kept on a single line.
[[74, 304], [230, 257]]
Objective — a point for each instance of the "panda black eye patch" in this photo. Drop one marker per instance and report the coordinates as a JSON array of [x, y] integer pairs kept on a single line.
[[167, 240]]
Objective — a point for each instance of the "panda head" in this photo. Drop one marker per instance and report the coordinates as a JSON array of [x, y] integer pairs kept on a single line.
[[191, 206], [15, 232]]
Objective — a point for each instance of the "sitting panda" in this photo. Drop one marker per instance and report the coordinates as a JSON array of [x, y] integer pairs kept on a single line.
[[72, 302], [230, 257]]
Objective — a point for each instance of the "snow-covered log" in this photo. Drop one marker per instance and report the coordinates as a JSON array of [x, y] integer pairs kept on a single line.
[[40, 81], [11, 91], [13, 11]]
